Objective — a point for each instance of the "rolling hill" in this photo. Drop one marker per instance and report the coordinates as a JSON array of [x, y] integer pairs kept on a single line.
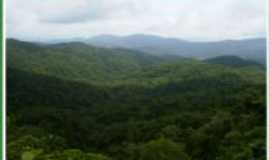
[[78, 61], [232, 61], [85, 63]]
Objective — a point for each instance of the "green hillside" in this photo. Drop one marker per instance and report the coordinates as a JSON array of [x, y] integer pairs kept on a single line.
[[77, 61], [74, 101], [233, 61], [88, 64]]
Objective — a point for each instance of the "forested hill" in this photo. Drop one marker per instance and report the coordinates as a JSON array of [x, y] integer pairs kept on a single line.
[[233, 61], [81, 102], [78, 61]]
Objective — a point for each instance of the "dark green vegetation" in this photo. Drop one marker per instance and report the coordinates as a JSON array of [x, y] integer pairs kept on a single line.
[[79, 102], [232, 61]]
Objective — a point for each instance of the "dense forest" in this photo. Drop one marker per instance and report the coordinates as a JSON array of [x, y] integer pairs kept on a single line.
[[73, 101]]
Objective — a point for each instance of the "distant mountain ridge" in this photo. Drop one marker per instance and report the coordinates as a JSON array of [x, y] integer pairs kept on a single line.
[[250, 49], [253, 49], [87, 63]]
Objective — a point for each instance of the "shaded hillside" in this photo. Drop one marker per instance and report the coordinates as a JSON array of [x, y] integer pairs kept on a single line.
[[194, 112], [49, 90], [232, 61]]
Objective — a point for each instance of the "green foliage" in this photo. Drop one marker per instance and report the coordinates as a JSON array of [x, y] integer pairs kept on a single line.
[[30, 155], [71, 154], [233, 61], [22, 147], [163, 149]]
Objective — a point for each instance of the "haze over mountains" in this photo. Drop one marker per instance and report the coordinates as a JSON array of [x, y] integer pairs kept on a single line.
[[251, 49], [85, 62]]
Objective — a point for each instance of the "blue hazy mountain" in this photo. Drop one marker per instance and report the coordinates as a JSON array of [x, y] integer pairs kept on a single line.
[[252, 49]]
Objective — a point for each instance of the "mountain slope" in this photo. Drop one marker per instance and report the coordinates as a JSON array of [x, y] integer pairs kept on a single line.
[[232, 61], [84, 63], [78, 61]]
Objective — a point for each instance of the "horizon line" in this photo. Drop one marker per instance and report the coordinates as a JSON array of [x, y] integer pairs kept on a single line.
[[81, 38]]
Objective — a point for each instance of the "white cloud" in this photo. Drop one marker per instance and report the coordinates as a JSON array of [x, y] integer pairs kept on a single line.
[[186, 19]]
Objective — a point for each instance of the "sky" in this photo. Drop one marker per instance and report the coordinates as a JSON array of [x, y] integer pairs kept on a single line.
[[197, 20]]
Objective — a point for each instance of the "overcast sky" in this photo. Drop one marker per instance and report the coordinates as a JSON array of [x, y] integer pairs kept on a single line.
[[197, 20]]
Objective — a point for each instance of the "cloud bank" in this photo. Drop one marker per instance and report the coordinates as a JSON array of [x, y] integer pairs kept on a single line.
[[184, 19]]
